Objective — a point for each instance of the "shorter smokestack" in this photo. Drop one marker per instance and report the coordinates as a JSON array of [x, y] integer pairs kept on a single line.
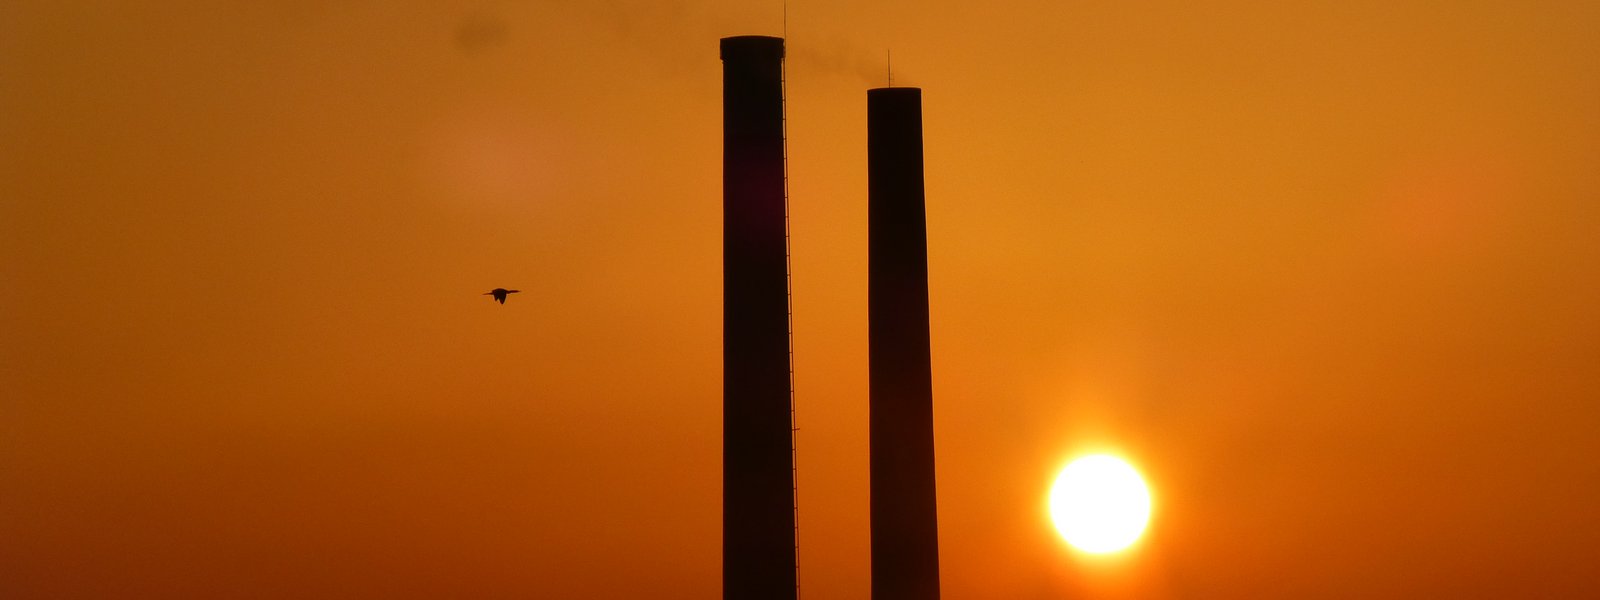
[[905, 524]]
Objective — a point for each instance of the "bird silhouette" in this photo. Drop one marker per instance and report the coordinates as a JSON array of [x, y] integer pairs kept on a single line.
[[499, 294]]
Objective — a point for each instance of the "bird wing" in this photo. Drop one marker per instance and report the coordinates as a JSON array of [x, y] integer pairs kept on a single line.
[[512, 291]]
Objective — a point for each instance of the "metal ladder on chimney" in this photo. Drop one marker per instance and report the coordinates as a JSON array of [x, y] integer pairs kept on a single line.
[[788, 278]]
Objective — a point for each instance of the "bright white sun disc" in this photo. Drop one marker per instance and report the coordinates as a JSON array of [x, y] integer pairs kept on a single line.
[[1100, 504]]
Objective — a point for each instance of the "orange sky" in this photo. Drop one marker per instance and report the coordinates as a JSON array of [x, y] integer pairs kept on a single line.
[[1328, 273]]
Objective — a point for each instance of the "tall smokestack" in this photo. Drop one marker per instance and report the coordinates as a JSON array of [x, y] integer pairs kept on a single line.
[[758, 518], [905, 528]]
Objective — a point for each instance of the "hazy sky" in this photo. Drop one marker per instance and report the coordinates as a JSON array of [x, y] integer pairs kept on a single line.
[[1327, 272]]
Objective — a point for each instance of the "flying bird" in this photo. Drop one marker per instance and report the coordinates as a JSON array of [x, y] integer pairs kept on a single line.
[[499, 294]]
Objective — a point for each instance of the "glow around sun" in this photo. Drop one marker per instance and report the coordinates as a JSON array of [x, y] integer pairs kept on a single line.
[[1100, 504]]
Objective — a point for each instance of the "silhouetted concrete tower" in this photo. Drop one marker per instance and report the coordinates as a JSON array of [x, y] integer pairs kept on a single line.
[[905, 527], [758, 519]]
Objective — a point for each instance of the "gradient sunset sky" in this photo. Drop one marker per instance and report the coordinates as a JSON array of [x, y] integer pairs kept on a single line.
[[1327, 273]]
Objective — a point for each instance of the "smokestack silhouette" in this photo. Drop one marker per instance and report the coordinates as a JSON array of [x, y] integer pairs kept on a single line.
[[905, 528], [758, 510]]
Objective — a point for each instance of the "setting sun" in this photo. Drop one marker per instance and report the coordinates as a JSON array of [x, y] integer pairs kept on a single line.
[[1100, 504]]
